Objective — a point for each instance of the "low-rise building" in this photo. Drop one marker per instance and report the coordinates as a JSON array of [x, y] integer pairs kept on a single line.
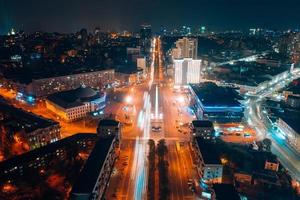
[[203, 128], [48, 84], [216, 103], [290, 128], [130, 76], [35, 130], [94, 177], [272, 164], [224, 192], [76, 104], [293, 101], [243, 177], [208, 162], [108, 127], [43, 156]]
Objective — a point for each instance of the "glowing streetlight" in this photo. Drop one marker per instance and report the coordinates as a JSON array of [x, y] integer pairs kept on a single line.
[[128, 99], [180, 99]]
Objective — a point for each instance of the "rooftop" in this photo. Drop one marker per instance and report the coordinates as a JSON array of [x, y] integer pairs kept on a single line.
[[225, 192], [73, 98], [208, 151], [128, 69], [292, 121], [89, 174], [108, 122], [44, 150], [247, 73], [17, 119], [211, 94], [295, 86], [26, 75], [202, 123]]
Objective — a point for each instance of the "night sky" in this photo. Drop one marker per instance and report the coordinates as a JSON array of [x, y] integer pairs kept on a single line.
[[71, 15]]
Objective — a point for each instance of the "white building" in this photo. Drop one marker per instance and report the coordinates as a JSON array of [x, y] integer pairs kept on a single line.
[[185, 48], [187, 71], [75, 104]]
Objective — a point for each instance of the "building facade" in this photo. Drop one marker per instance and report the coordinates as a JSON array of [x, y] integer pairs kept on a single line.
[[290, 129], [209, 167], [75, 104], [185, 48], [187, 71], [204, 129], [215, 103], [95, 175], [45, 86], [42, 157], [108, 127], [36, 131]]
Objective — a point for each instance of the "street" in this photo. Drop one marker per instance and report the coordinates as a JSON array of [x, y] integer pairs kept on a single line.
[[154, 105], [288, 157]]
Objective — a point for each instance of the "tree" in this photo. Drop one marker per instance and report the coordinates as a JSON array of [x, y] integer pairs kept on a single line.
[[161, 149], [267, 144], [151, 170]]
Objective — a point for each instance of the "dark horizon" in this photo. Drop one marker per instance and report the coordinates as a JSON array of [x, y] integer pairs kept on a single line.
[[71, 16]]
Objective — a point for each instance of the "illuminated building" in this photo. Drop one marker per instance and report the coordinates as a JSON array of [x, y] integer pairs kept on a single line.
[[108, 127], [290, 129], [75, 104], [42, 157], [94, 177], [272, 164], [49, 84], [187, 71], [186, 48], [215, 103], [141, 63], [203, 128], [35, 130], [293, 101], [133, 53], [209, 167], [145, 38], [129, 76]]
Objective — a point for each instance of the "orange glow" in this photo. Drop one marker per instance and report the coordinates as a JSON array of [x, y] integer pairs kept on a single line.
[[8, 188], [224, 161]]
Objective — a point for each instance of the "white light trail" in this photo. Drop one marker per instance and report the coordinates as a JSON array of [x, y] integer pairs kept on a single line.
[[156, 102]]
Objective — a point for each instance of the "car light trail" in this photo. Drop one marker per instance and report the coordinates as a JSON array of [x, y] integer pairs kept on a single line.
[[156, 102], [139, 168], [138, 172]]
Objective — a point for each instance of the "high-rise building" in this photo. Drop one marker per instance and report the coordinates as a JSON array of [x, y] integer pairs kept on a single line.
[[185, 48], [145, 38], [97, 34], [187, 71], [296, 48]]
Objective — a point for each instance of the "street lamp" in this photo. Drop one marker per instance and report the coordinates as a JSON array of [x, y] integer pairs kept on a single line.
[[128, 99], [180, 99]]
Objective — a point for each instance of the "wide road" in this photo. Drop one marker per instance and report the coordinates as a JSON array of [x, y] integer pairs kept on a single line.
[[288, 157], [129, 179], [173, 107]]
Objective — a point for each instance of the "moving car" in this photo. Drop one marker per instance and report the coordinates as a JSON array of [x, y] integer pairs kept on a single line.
[[156, 128]]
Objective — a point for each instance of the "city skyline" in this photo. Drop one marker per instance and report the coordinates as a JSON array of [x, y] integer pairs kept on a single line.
[[98, 100], [218, 15]]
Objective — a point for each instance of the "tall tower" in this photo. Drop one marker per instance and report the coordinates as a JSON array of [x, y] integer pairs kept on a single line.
[[188, 48], [187, 71], [145, 38]]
